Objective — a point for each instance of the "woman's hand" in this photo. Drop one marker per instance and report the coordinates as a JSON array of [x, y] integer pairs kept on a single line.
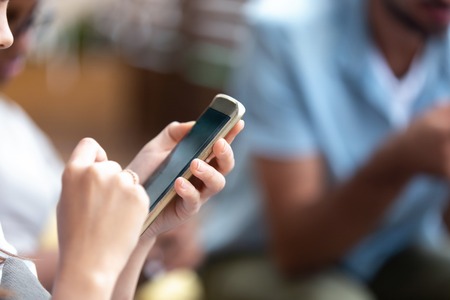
[[100, 215], [208, 178]]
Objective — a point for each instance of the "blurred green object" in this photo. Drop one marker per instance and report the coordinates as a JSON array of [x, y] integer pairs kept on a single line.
[[82, 37], [207, 65]]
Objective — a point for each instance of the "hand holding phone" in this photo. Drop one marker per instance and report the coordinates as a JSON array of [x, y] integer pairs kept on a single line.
[[214, 123]]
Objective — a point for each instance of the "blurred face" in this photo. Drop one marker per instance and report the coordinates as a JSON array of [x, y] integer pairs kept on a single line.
[[20, 15], [426, 16], [6, 38]]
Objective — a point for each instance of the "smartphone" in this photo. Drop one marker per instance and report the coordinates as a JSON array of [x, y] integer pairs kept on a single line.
[[214, 123]]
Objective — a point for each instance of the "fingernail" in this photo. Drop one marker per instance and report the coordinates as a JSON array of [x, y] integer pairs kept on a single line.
[[183, 184], [224, 147], [200, 166]]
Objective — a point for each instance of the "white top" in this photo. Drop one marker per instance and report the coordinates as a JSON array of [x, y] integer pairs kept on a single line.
[[4, 245], [404, 90], [30, 178]]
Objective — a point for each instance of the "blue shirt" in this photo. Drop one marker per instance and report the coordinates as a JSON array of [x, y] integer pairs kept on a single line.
[[309, 87]]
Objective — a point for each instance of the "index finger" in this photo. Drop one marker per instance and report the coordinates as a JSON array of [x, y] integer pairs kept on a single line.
[[87, 152], [235, 131]]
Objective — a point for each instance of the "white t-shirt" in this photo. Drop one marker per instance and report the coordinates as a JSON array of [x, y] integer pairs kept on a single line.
[[4, 245], [403, 91], [30, 178]]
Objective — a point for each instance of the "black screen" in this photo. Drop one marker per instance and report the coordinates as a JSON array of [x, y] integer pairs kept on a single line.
[[178, 161]]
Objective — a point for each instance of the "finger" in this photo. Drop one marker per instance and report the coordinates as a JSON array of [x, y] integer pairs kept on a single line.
[[105, 169], [224, 157], [87, 152], [229, 137], [125, 179], [130, 176], [190, 202], [213, 181], [235, 131]]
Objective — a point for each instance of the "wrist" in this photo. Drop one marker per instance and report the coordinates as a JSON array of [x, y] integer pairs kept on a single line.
[[78, 280], [126, 285], [397, 161]]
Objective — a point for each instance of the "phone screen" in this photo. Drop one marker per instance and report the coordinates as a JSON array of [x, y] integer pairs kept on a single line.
[[178, 161]]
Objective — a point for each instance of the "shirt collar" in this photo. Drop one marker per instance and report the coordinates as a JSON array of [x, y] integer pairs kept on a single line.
[[354, 62]]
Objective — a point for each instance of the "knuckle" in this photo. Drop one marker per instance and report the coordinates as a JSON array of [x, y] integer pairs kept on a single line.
[[88, 141], [231, 165], [227, 161], [221, 183], [210, 174], [115, 165], [171, 127], [73, 171], [189, 207], [91, 172], [173, 124], [69, 173], [119, 181]]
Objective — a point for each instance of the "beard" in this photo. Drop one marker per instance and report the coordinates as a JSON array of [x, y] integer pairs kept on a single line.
[[412, 24]]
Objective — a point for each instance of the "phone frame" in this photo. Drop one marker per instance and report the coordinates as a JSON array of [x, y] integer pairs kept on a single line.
[[224, 104]]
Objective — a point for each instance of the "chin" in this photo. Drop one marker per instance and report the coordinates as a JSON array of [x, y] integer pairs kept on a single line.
[[436, 30]]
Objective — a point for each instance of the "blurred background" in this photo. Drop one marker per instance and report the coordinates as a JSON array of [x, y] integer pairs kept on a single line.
[[119, 71]]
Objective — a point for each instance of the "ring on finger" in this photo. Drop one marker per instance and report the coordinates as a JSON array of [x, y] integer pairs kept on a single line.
[[133, 175]]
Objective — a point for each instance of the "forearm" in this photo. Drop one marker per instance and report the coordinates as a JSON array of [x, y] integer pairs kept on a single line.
[[126, 284], [447, 217], [312, 235], [77, 281]]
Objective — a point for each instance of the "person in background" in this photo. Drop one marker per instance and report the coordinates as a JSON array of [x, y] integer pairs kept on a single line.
[[349, 119], [348, 137], [30, 167]]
